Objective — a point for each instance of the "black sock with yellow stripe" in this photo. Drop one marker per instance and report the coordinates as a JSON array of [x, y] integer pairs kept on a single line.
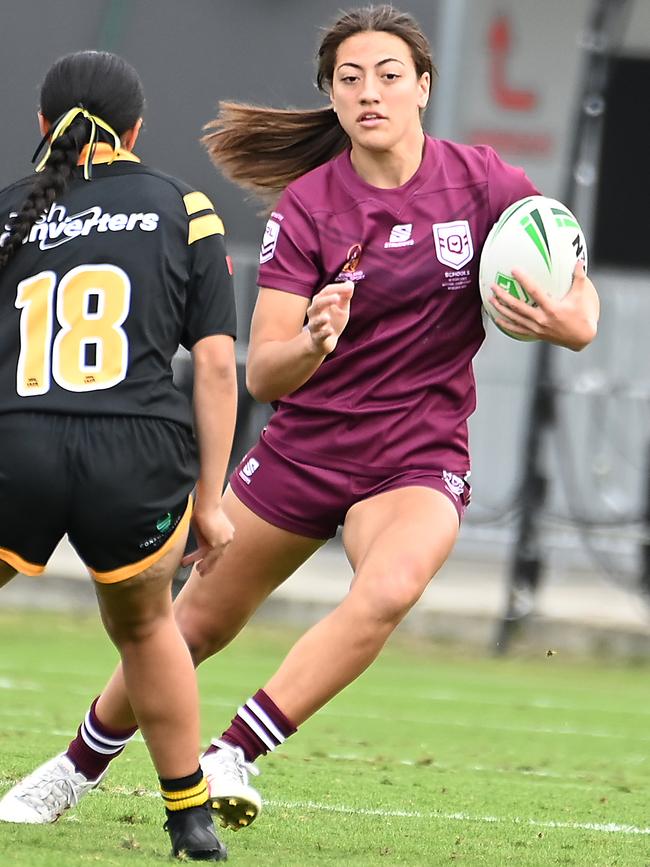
[[184, 792]]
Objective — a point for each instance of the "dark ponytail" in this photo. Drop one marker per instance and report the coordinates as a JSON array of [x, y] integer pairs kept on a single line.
[[107, 87]]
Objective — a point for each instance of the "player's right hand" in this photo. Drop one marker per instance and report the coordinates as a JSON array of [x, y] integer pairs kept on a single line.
[[328, 314], [213, 532]]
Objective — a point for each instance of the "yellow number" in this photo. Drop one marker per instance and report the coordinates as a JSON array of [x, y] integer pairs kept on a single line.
[[98, 331], [91, 350], [34, 297]]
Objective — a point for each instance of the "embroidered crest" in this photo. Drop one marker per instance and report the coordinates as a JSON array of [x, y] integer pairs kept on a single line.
[[453, 241]]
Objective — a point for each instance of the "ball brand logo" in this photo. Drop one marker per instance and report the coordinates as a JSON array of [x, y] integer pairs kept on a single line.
[[269, 241], [453, 241], [57, 227], [400, 236], [248, 469], [513, 287]]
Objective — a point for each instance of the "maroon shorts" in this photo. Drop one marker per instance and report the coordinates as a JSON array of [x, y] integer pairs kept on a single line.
[[313, 501]]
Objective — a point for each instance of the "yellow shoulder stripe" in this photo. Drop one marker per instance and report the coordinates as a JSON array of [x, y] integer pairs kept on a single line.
[[197, 202], [201, 227]]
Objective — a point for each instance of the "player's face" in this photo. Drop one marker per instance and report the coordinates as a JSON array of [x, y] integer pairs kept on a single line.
[[376, 91]]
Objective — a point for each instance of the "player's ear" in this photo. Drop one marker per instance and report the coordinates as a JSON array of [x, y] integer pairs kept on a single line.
[[424, 87], [43, 123], [130, 137]]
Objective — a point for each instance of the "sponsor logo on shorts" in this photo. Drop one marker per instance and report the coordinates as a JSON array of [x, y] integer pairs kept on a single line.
[[454, 484], [400, 236], [248, 469], [164, 526], [57, 227], [453, 241], [270, 240]]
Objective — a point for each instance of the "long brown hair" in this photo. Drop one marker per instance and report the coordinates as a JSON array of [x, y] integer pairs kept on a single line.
[[264, 149]]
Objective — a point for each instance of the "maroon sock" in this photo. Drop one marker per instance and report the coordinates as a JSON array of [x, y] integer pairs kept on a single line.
[[260, 726], [96, 745]]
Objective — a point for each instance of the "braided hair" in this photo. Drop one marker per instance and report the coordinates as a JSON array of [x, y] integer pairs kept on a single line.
[[106, 86]]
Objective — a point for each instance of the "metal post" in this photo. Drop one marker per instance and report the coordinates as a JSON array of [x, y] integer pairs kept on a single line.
[[602, 37], [645, 545]]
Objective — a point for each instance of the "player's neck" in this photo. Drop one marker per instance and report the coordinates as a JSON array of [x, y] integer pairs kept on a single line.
[[390, 168]]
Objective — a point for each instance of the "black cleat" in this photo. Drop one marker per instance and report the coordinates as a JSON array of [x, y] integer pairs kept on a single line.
[[193, 836]]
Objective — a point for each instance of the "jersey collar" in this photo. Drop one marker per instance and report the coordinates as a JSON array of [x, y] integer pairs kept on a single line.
[[104, 153]]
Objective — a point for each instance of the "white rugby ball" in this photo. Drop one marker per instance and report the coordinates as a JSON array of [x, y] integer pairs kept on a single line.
[[541, 237]]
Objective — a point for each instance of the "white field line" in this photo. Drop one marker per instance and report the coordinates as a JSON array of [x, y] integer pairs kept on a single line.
[[528, 703], [476, 726], [19, 685], [448, 697], [609, 828], [26, 686], [342, 809], [551, 777]]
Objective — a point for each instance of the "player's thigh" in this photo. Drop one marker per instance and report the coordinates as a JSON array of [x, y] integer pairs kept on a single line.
[[33, 489], [396, 542], [215, 605], [131, 493], [133, 607]]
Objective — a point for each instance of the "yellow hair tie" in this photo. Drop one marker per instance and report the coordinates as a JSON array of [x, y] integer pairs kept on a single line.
[[63, 123]]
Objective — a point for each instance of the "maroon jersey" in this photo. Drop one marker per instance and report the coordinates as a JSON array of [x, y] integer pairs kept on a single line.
[[399, 387]]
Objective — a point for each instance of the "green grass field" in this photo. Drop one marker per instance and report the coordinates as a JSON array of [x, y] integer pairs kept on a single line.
[[431, 758]]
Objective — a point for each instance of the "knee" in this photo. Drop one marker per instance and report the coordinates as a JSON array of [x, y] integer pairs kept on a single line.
[[135, 630], [203, 635], [389, 596]]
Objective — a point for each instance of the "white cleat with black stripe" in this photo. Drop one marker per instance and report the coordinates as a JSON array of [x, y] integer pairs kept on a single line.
[[233, 800]]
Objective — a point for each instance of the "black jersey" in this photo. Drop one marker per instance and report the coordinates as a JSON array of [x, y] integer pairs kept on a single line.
[[110, 281]]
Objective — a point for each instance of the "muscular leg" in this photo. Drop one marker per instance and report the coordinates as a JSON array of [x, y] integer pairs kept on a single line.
[[396, 542], [158, 670], [212, 608]]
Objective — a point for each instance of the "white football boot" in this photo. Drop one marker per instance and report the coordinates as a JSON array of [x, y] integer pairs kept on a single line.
[[236, 803], [46, 793]]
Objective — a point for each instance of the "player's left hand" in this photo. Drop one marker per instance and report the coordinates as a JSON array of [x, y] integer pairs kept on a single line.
[[571, 321], [213, 532]]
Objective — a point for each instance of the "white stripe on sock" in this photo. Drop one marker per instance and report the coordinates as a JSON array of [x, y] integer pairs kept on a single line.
[[102, 739], [96, 745], [264, 718], [254, 726]]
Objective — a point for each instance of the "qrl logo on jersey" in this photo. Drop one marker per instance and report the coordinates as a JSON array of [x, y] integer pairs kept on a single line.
[[453, 242], [248, 469], [269, 241]]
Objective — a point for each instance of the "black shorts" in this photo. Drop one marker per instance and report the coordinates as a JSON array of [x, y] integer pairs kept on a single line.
[[119, 486]]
